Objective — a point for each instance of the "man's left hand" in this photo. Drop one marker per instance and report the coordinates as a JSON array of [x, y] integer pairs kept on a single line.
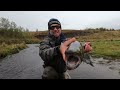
[[88, 47]]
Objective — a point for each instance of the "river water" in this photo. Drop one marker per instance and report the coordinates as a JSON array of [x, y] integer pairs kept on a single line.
[[27, 64]]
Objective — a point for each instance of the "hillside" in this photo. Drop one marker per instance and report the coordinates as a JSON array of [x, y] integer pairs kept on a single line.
[[101, 36], [86, 35]]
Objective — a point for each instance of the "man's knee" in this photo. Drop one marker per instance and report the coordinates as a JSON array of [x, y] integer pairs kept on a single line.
[[49, 73]]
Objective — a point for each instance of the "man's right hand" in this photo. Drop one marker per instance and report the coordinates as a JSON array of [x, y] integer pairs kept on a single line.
[[65, 45]]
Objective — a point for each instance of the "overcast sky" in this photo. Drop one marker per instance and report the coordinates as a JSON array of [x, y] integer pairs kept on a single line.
[[69, 19]]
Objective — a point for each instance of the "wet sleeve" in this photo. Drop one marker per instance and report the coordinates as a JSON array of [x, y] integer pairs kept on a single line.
[[47, 52]]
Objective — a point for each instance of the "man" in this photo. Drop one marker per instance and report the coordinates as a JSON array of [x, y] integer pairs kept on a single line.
[[52, 51]]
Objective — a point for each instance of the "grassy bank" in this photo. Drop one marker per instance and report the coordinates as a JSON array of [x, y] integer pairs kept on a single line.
[[6, 49], [105, 44], [32, 41], [10, 46], [106, 49]]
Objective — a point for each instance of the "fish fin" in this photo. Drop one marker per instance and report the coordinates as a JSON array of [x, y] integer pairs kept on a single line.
[[88, 59]]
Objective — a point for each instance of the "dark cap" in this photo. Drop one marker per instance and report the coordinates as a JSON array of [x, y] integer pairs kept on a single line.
[[53, 21]]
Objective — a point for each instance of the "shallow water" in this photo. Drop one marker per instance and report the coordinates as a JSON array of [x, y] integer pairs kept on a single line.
[[28, 65]]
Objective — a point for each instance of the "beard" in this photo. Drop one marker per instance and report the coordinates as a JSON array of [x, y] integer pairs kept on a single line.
[[55, 34]]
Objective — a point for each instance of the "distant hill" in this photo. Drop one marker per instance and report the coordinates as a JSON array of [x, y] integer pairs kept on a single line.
[[68, 33], [87, 34]]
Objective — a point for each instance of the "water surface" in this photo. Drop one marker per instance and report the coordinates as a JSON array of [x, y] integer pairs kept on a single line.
[[27, 64]]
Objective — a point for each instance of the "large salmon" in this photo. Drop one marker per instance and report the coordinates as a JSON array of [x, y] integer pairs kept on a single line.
[[75, 55]]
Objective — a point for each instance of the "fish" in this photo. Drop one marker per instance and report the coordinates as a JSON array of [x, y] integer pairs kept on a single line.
[[75, 56]]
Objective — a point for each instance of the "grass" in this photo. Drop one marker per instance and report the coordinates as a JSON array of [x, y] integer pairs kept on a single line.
[[106, 49], [6, 49], [10, 46], [32, 41], [102, 36], [105, 44]]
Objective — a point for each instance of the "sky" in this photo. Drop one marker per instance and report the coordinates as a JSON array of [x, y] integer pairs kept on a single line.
[[78, 20]]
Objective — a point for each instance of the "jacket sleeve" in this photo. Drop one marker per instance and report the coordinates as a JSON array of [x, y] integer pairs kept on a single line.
[[47, 52]]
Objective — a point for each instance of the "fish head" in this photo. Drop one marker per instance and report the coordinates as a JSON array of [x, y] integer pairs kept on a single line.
[[74, 55]]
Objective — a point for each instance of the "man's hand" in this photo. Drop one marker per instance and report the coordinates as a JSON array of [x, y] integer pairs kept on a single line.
[[63, 48], [88, 47], [65, 45]]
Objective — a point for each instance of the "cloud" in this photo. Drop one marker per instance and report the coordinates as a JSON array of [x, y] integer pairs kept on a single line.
[[69, 19]]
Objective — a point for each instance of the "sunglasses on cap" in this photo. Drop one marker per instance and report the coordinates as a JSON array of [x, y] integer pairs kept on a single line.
[[53, 27]]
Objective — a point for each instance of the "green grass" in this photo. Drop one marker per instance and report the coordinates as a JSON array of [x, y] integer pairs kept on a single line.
[[106, 49], [101, 36], [6, 49], [105, 44], [10, 46], [32, 41]]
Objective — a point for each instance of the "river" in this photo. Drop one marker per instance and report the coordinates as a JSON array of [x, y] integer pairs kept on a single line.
[[27, 64]]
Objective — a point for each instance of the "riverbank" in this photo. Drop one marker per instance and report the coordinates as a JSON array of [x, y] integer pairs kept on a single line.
[[106, 49], [6, 49], [105, 44], [10, 46]]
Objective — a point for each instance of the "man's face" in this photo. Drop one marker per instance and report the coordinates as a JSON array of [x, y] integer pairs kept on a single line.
[[55, 30]]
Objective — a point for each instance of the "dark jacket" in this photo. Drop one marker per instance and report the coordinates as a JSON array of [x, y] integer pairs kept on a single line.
[[50, 53]]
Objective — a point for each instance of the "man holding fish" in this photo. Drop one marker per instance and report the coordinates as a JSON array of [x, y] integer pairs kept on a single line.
[[52, 51]]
